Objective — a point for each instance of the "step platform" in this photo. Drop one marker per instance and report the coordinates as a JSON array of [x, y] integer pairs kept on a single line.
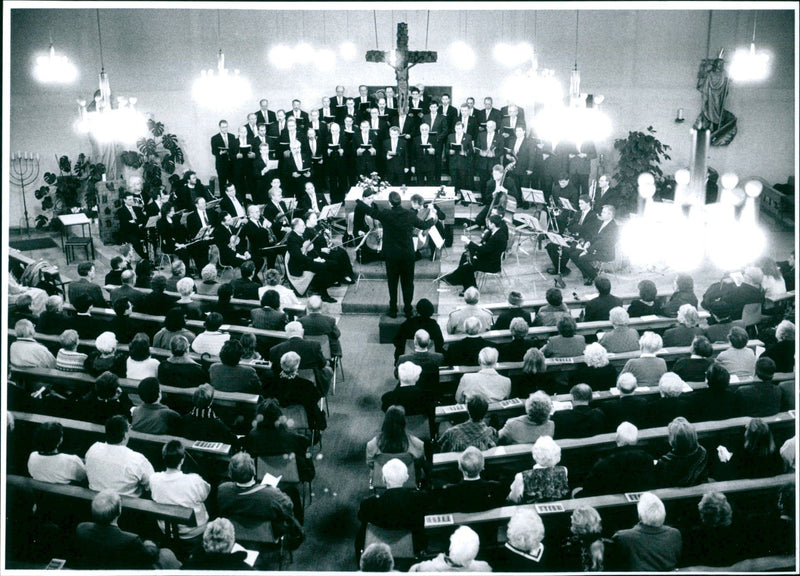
[[424, 269]]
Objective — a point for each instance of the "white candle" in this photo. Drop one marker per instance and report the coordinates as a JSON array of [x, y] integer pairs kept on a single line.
[[104, 177]]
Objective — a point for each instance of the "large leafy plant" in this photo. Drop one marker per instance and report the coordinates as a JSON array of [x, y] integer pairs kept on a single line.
[[155, 155], [638, 153], [75, 187]]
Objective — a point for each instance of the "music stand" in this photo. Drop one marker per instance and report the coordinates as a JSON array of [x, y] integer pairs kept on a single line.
[[330, 211]]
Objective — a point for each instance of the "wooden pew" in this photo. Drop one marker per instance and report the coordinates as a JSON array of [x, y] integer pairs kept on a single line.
[[170, 513], [79, 436], [670, 355], [641, 324], [580, 454], [295, 311], [534, 305], [787, 297], [617, 510], [227, 405]]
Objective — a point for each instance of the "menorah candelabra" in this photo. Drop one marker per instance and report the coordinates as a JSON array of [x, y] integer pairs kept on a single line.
[[24, 172]]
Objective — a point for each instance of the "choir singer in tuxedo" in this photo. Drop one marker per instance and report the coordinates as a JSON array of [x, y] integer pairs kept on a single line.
[[398, 247]]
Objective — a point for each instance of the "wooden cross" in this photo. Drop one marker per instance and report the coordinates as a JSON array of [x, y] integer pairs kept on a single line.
[[401, 60]]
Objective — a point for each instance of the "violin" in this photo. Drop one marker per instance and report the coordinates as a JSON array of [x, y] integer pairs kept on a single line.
[[234, 240]]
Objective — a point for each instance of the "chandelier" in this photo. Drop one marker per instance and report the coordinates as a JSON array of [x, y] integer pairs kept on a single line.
[[578, 122], [220, 87], [99, 118], [54, 69], [529, 84]]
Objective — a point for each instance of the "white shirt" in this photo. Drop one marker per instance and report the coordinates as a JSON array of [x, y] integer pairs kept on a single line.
[[210, 342], [116, 467], [56, 468], [189, 490], [237, 206], [141, 369], [288, 297]]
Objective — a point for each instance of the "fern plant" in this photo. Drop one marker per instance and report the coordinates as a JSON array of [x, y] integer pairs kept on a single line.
[[155, 155], [638, 153]]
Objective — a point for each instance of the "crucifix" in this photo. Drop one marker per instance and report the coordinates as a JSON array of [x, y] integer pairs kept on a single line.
[[401, 60]]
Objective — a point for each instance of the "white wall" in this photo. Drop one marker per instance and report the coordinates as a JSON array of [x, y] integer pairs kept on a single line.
[[644, 63]]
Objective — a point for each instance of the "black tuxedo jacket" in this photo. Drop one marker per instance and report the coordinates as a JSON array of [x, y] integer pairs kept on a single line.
[[257, 238], [270, 118], [460, 161], [226, 205], [287, 165], [252, 133], [400, 161], [410, 127], [330, 116], [300, 116], [398, 230], [170, 234], [130, 225], [598, 308], [486, 115], [388, 115], [471, 125], [495, 149], [220, 148], [278, 217], [366, 161], [465, 352], [507, 130], [339, 109], [588, 229], [421, 158], [523, 157], [604, 244], [227, 255], [450, 116], [438, 128]]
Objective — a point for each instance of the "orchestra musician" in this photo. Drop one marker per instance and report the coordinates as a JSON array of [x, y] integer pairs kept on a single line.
[[231, 252], [485, 257], [276, 212], [131, 223], [309, 201], [258, 233], [320, 235], [601, 248], [154, 204], [171, 233], [196, 220], [300, 261], [230, 203], [189, 189], [364, 224], [498, 188], [582, 227], [563, 189]]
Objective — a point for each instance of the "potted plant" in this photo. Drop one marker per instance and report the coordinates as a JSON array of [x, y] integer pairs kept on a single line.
[[157, 154], [638, 153], [75, 189]]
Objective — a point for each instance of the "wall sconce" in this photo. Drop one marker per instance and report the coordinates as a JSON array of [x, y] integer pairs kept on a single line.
[[679, 117]]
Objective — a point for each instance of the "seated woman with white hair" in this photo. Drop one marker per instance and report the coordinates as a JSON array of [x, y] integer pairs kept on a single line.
[[687, 329], [546, 481], [219, 550], [524, 550], [598, 372], [106, 358], [584, 550], [647, 368], [529, 427], [407, 394], [191, 309], [209, 283], [289, 388], [464, 547], [671, 403], [782, 352], [621, 338]]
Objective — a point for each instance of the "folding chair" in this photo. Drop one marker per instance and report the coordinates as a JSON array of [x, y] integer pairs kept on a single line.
[[334, 361], [300, 283], [285, 466], [258, 534]]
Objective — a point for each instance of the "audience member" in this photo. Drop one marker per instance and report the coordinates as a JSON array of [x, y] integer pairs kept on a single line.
[[310, 352], [114, 276], [144, 276], [566, 343], [228, 375], [739, 360], [464, 547], [716, 541], [693, 368], [174, 325], [598, 372], [269, 315], [428, 360], [178, 270], [670, 402], [245, 287], [209, 283], [105, 357], [515, 301], [377, 557], [472, 493], [47, 464], [458, 317], [151, 416], [533, 377], [105, 400], [249, 353], [68, 358], [25, 352], [762, 397], [101, 545], [407, 394], [599, 308], [421, 321], [582, 420], [621, 338], [315, 323], [584, 549], [683, 294], [546, 481], [525, 550], [179, 369], [21, 310], [553, 311], [397, 508], [532, 425], [514, 351], [787, 270], [126, 290], [290, 389], [157, 302], [201, 423], [687, 329], [53, 319], [465, 352], [121, 324], [647, 303], [394, 439], [686, 464], [648, 368], [759, 458], [485, 381], [140, 364], [718, 401], [111, 465], [191, 310], [230, 313], [85, 285], [628, 406], [273, 282], [210, 341], [180, 489], [650, 546], [782, 352], [218, 551], [474, 432], [86, 325], [627, 468]]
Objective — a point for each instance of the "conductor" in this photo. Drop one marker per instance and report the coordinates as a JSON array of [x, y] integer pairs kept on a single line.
[[398, 247]]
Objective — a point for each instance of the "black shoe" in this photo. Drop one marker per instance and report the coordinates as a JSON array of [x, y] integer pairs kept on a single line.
[[408, 312], [589, 282], [566, 271], [417, 255], [461, 293], [327, 298], [392, 314], [552, 271]]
